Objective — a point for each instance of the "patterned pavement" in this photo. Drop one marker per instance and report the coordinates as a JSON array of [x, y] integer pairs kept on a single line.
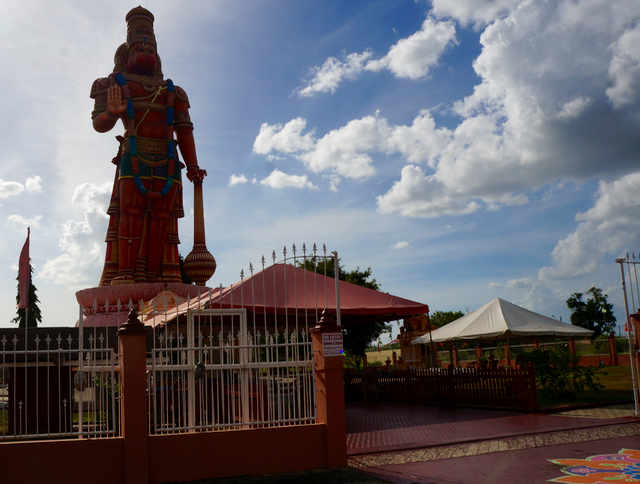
[[415, 444], [389, 427]]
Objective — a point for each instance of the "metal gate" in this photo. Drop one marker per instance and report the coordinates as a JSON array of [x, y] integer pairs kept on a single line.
[[218, 374]]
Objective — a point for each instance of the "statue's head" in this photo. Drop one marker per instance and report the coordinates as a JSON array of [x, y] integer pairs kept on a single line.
[[139, 54]]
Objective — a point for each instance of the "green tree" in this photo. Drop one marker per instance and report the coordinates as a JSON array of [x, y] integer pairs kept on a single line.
[[35, 316], [440, 318], [595, 313], [357, 337]]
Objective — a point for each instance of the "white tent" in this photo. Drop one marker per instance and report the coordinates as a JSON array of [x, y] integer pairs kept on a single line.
[[501, 320]]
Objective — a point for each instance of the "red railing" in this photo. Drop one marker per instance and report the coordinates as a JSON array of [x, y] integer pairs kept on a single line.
[[500, 388]]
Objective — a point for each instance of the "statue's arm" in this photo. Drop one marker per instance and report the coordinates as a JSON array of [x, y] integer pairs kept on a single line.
[[183, 127], [108, 105]]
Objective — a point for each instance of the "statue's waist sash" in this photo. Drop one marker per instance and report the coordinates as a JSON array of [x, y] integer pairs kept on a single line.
[[153, 160]]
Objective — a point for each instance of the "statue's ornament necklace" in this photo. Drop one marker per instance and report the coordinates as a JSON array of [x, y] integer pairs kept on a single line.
[[131, 128]]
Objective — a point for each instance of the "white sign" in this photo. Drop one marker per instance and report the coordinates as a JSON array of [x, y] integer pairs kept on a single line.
[[332, 344]]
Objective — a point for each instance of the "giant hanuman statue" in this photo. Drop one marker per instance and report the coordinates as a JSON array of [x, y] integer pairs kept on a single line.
[[146, 202]]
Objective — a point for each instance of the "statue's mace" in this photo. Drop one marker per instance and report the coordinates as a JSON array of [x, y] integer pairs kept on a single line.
[[199, 265]]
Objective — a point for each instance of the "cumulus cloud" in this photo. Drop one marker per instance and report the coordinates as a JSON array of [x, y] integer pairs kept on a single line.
[[412, 57], [609, 227], [328, 77], [345, 152], [10, 188], [33, 184], [237, 180], [419, 195], [478, 12], [624, 68], [401, 245], [82, 247], [540, 115], [278, 179], [283, 138]]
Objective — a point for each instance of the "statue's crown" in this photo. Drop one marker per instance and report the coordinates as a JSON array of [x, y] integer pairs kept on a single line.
[[140, 27]]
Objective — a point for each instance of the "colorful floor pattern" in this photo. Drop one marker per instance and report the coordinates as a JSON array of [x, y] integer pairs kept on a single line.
[[620, 468]]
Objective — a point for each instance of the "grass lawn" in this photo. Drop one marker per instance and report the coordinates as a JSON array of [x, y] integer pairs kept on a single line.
[[617, 387]]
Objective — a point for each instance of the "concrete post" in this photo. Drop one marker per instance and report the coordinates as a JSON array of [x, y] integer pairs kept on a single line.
[[572, 347], [133, 399], [330, 388], [478, 351], [536, 345]]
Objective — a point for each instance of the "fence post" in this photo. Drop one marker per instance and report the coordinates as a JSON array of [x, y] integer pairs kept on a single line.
[[507, 354], [133, 402], [532, 387], [330, 388], [613, 354]]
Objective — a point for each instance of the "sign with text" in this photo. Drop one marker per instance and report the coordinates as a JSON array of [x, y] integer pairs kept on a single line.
[[332, 344]]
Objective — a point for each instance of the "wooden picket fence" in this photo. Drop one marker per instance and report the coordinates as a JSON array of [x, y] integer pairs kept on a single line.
[[500, 388]]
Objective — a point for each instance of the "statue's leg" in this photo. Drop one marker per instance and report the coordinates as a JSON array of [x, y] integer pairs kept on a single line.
[[132, 205], [159, 223]]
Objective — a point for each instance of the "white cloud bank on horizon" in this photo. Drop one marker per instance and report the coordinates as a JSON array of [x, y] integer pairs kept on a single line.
[[539, 115]]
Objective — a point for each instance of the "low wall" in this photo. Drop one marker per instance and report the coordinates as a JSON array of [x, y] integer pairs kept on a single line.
[[98, 461], [188, 457]]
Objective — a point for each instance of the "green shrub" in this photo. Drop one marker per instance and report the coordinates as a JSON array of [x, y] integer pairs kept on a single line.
[[558, 373]]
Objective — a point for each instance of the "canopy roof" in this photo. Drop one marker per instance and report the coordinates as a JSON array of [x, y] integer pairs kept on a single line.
[[501, 320], [285, 289]]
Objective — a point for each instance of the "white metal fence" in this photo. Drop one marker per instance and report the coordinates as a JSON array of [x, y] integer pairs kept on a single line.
[[631, 293], [222, 376], [57, 386]]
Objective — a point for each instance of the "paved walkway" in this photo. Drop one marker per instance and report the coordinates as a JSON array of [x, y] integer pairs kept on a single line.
[[407, 444], [385, 427]]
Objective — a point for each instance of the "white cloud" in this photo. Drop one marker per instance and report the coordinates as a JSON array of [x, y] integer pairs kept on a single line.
[[10, 188], [624, 69], [409, 58], [82, 246], [401, 245], [541, 114], [479, 12], [278, 179], [418, 195], [609, 227], [20, 222], [412, 57], [522, 283], [237, 179], [285, 139], [34, 184], [328, 77]]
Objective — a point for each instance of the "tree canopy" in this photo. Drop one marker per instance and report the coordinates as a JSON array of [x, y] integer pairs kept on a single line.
[[35, 316], [357, 337], [440, 318], [595, 313]]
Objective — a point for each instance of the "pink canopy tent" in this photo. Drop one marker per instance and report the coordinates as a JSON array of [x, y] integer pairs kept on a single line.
[[284, 289]]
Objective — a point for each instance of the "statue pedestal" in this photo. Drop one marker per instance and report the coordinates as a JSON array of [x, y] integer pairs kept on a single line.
[[109, 305]]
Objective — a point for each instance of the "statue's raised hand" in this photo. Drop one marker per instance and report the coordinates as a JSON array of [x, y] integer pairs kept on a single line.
[[115, 104]]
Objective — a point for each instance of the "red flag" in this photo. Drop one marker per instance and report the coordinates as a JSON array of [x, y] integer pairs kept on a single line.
[[24, 274]]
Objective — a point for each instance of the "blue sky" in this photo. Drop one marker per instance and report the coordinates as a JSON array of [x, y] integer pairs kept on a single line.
[[464, 150]]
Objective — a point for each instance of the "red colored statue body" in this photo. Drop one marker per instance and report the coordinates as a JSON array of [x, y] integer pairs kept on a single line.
[[146, 200]]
